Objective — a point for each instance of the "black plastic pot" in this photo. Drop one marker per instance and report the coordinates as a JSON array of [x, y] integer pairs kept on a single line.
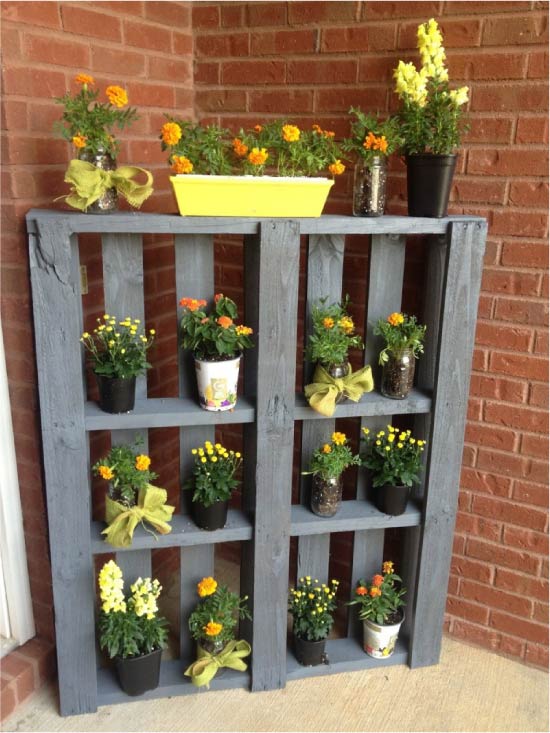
[[210, 517], [309, 653], [136, 675], [392, 499], [429, 179], [116, 395]]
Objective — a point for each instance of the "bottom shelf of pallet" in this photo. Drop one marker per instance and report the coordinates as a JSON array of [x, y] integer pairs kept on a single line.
[[345, 655]]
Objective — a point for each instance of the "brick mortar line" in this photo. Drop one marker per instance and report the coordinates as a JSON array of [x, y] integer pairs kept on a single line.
[[482, 584]]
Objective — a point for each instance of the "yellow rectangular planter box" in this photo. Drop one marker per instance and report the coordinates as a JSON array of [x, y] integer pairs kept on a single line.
[[256, 196]]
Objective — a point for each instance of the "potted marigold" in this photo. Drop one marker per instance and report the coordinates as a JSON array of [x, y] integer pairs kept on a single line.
[[131, 497], [395, 460], [212, 625], [327, 466], [118, 349], [88, 123], [216, 342], [213, 482], [372, 141], [432, 123], [274, 169], [403, 338], [311, 605], [130, 629], [381, 603]]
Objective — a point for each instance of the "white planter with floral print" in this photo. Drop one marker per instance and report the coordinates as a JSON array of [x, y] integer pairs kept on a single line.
[[379, 641], [217, 383]]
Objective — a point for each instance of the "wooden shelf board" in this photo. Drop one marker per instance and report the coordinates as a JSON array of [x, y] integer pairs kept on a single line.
[[352, 516], [370, 405], [184, 534], [165, 413], [345, 655], [172, 682]]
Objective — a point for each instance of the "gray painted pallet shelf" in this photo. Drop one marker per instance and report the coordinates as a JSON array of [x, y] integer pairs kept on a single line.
[[268, 413]]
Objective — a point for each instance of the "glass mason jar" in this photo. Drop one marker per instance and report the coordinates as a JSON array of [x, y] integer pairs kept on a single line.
[[398, 374], [109, 200], [212, 645], [326, 495], [369, 187], [338, 371]]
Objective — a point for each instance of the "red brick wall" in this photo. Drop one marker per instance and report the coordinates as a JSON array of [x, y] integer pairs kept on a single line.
[[311, 61]]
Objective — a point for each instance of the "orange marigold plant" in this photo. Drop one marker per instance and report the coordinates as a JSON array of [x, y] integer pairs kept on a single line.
[[213, 336], [127, 471], [381, 599], [217, 613], [371, 138]]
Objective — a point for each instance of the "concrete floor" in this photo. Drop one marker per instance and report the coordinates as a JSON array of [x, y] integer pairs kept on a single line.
[[470, 690]]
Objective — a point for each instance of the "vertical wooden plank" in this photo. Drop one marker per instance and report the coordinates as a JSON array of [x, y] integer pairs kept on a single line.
[[466, 246], [324, 280], [57, 322], [194, 258], [124, 296], [264, 570], [387, 265]]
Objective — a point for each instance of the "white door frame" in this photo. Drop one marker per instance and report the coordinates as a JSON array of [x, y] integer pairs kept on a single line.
[[13, 555]]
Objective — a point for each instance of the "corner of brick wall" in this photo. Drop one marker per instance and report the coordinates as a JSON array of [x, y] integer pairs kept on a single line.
[[23, 671]]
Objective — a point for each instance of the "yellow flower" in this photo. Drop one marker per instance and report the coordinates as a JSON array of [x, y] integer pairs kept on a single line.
[[326, 448], [85, 335], [152, 331], [258, 156], [194, 451], [378, 442], [338, 438], [237, 455], [387, 567], [84, 79], [212, 628], [366, 431], [387, 447], [181, 164], [412, 441], [79, 141], [337, 168], [391, 438], [459, 96], [328, 322], [214, 459], [106, 473], [207, 586], [346, 324], [203, 460], [142, 462], [117, 96], [291, 133], [400, 445], [396, 319]]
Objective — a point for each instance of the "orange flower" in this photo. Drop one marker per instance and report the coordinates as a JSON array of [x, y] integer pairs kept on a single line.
[[258, 128], [142, 462], [117, 96], [375, 592], [170, 133], [84, 79], [239, 148], [206, 587], [181, 164], [327, 448], [339, 438], [258, 156], [317, 129], [79, 141], [361, 591], [205, 319], [382, 144], [212, 628], [376, 143], [387, 567], [377, 580], [337, 168], [329, 133], [328, 322], [192, 303], [395, 319], [218, 297], [291, 133], [225, 321], [106, 473]]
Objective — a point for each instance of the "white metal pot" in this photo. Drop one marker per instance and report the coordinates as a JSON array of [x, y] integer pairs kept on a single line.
[[217, 383], [379, 641]]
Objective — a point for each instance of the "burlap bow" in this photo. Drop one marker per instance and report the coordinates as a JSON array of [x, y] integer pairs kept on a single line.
[[123, 520], [323, 391], [88, 183], [205, 667]]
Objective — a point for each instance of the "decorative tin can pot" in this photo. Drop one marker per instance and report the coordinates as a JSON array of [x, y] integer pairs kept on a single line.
[[379, 640], [217, 383]]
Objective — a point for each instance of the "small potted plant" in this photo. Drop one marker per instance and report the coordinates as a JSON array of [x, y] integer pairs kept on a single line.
[[119, 354], [274, 169], [432, 123], [130, 629], [395, 459], [213, 482], [131, 498], [332, 337], [216, 342], [380, 610], [372, 141], [88, 124], [327, 466], [212, 625], [403, 337], [311, 605]]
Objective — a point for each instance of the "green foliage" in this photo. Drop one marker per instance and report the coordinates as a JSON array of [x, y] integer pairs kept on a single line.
[[371, 137], [311, 605], [215, 336], [331, 459], [127, 471], [333, 333], [394, 457], [381, 598], [118, 348], [207, 147], [217, 613], [213, 473], [400, 332]]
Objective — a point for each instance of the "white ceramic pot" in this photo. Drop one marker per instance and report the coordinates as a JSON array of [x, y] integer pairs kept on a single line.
[[217, 383], [379, 641]]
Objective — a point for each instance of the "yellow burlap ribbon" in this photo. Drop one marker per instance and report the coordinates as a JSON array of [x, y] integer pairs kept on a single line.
[[323, 391], [88, 183], [122, 520], [205, 667]]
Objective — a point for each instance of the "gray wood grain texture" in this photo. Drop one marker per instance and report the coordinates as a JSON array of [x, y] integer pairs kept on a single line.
[[124, 296], [194, 260], [325, 265], [353, 515], [371, 404], [462, 283], [275, 283], [57, 321]]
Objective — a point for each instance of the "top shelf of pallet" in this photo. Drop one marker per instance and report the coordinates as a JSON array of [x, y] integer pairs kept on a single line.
[[140, 223]]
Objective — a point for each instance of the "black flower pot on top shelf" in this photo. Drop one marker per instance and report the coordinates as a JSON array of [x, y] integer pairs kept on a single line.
[[429, 180], [136, 675], [116, 395], [210, 517], [392, 499]]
